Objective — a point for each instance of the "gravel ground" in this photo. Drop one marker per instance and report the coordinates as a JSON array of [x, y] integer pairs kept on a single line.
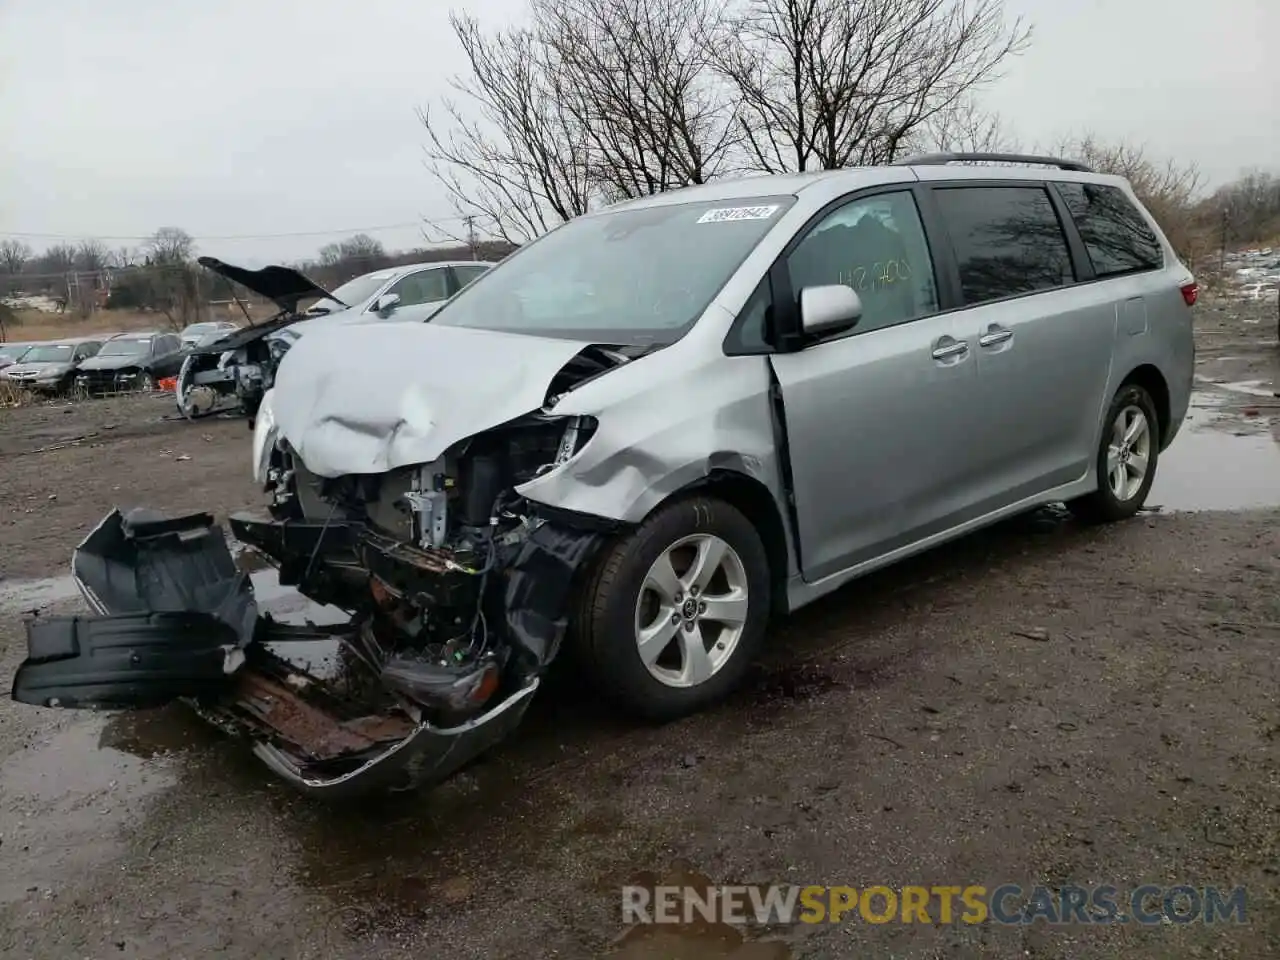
[[1038, 703]]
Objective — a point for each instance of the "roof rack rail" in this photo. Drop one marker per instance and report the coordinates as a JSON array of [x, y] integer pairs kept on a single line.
[[938, 159]]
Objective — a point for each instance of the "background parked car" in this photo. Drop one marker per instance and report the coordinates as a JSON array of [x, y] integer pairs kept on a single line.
[[50, 367], [207, 332], [131, 361], [404, 294], [242, 364]]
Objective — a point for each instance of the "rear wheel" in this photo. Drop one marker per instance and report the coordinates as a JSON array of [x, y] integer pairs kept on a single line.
[[676, 610], [1126, 463]]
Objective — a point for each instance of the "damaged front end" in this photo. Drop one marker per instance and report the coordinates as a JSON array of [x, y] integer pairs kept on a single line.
[[457, 592]]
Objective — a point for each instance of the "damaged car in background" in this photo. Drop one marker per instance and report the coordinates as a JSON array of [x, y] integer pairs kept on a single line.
[[636, 439], [240, 366]]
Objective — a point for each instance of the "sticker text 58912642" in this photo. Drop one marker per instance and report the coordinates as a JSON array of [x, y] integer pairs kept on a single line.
[[729, 214]]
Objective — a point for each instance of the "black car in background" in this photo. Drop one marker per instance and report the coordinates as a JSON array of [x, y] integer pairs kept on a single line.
[[131, 361]]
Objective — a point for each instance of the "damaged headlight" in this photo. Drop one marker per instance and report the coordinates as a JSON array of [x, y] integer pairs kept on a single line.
[[265, 433]]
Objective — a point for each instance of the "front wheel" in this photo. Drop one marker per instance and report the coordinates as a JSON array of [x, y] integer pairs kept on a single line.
[[146, 383], [1126, 463], [676, 610]]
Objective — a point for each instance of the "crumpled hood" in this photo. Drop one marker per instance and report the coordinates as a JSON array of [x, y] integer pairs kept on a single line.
[[322, 320], [377, 397]]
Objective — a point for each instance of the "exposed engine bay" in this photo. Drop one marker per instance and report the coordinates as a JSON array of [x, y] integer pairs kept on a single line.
[[431, 555], [458, 592], [240, 367]]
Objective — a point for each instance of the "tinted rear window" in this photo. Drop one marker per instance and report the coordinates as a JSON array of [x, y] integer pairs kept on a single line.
[[1007, 241], [1117, 236]]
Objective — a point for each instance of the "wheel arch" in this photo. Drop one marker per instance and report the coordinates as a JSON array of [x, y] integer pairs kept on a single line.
[[1149, 377], [750, 497]]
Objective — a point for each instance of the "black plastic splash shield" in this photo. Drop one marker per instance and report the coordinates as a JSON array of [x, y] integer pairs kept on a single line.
[[175, 613]]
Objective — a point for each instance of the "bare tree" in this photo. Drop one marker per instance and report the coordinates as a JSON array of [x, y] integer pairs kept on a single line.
[[1248, 209], [170, 245], [14, 255], [964, 127], [827, 84], [59, 258], [173, 288], [1168, 189], [511, 154], [123, 257], [330, 255], [92, 255], [362, 246], [639, 77]]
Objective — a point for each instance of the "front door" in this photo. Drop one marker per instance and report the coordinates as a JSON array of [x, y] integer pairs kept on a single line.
[[879, 420]]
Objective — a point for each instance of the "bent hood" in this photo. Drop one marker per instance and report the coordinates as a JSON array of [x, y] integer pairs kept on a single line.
[[368, 399], [283, 286]]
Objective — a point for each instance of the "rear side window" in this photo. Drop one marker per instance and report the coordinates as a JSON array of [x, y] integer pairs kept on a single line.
[[466, 274], [1007, 241], [1117, 236]]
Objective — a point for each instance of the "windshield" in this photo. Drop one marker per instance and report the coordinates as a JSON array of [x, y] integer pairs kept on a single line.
[[125, 348], [52, 353], [634, 276], [199, 329], [352, 293]]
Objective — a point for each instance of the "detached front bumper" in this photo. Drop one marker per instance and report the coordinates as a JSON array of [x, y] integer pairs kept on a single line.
[[175, 618]]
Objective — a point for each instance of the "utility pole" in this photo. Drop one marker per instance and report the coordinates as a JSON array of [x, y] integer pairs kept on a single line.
[[471, 236], [1222, 246]]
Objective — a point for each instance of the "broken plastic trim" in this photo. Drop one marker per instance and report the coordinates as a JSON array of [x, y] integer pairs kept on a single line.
[[151, 579]]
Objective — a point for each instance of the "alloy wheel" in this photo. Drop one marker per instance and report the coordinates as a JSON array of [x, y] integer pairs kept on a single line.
[[692, 610], [1128, 453]]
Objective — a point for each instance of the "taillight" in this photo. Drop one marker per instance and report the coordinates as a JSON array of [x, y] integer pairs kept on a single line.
[[1190, 293]]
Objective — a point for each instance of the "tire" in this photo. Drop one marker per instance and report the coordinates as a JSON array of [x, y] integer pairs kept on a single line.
[[146, 382], [1109, 502], [620, 598]]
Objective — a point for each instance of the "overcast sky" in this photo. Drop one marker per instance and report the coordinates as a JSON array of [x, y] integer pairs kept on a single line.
[[256, 117]]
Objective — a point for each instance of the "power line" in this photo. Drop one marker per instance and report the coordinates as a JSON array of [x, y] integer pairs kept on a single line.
[[244, 236]]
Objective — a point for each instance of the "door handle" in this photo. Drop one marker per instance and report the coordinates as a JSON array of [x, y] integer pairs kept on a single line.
[[994, 336], [953, 349]]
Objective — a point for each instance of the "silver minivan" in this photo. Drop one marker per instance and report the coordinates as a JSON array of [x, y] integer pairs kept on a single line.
[[642, 436]]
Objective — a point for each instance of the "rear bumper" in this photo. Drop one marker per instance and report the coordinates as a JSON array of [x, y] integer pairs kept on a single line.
[[176, 619]]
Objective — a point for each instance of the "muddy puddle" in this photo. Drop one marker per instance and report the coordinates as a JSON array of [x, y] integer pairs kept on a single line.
[[85, 786], [1226, 456]]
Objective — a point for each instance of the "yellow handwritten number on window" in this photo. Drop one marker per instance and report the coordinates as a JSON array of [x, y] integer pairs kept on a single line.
[[881, 274]]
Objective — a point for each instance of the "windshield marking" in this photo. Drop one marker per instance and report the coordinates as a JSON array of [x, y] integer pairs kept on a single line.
[[733, 214]]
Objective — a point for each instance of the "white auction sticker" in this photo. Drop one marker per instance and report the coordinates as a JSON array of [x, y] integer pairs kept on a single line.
[[726, 214]]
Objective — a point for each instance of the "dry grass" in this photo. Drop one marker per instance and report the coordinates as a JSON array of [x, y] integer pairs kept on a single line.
[[12, 396], [37, 325]]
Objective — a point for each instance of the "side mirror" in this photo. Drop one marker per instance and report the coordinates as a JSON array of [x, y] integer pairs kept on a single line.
[[829, 309], [386, 303]]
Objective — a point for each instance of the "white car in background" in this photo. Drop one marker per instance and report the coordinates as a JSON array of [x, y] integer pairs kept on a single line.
[[242, 363]]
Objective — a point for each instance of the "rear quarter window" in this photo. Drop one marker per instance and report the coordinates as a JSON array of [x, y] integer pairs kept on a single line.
[[1116, 235]]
